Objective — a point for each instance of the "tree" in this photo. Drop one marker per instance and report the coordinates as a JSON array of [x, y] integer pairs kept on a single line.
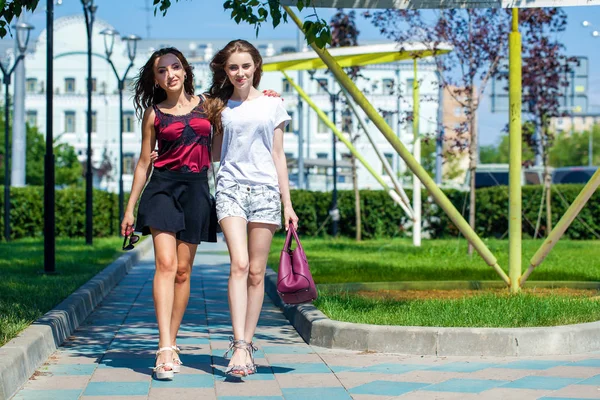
[[499, 154], [479, 39], [68, 170], [345, 33], [572, 149]]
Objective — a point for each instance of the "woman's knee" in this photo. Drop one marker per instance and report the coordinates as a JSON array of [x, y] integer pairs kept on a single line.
[[183, 274], [256, 275], [239, 267], [166, 264]]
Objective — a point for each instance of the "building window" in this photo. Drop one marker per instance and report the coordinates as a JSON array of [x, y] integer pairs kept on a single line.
[[128, 121], [322, 170], [322, 86], [286, 85], [128, 163], [69, 121], [289, 128], [409, 122], [31, 118], [388, 86], [69, 85], [94, 122], [321, 126], [347, 121], [31, 85], [409, 85], [388, 116], [390, 159]]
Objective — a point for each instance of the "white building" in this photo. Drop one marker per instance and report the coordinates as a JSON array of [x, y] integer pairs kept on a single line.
[[70, 102]]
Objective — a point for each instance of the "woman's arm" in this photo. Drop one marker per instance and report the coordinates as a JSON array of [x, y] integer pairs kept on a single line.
[[142, 170], [282, 177], [217, 142]]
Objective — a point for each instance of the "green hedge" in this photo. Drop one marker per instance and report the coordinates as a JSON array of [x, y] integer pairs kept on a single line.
[[381, 217], [27, 212]]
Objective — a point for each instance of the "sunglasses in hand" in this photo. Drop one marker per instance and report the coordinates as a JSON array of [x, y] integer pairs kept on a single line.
[[133, 239]]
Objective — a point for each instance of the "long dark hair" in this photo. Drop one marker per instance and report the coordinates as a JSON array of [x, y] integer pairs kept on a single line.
[[146, 93], [221, 88]]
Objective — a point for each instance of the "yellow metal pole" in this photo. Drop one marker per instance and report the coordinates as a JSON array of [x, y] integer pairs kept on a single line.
[[412, 164], [514, 166], [417, 156], [563, 224], [348, 143]]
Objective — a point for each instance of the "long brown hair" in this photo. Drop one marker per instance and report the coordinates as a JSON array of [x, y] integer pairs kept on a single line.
[[221, 88], [146, 93]]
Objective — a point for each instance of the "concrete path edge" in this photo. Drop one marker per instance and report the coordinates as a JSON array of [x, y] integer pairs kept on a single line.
[[31, 348], [317, 329]]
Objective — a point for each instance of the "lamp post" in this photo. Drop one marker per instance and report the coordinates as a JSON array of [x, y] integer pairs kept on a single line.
[[596, 34], [109, 42], [23, 32], [89, 10], [334, 212]]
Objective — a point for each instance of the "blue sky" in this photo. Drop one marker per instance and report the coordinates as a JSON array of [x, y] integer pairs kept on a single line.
[[206, 19]]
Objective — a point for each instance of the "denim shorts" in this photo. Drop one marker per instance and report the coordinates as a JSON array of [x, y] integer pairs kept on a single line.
[[256, 203]]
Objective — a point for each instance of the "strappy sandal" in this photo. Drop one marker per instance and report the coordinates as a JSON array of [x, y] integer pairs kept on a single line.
[[239, 371], [160, 372], [251, 350], [176, 360]]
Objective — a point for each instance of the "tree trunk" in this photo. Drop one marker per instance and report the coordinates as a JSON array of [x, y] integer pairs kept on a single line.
[[356, 200], [472, 163], [547, 189]]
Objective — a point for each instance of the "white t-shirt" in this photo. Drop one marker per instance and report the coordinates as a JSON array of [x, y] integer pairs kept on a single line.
[[246, 153]]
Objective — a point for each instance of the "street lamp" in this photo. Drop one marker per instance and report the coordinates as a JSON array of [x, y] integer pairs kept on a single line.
[[89, 10], [334, 212], [23, 32], [109, 42]]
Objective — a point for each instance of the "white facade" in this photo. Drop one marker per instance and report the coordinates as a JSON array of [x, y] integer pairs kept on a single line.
[[70, 102]]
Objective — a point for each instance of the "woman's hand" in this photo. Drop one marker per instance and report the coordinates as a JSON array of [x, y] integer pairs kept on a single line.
[[271, 93], [153, 156], [127, 224], [290, 215]]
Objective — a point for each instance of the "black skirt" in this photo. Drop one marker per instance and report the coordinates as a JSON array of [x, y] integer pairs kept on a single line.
[[178, 202]]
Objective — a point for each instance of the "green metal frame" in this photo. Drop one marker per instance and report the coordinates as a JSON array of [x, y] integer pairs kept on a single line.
[[411, 163]]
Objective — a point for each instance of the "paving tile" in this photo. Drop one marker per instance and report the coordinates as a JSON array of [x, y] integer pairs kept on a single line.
[[461, 367], [122, 375], [301, 368], [387, 388], [117, 389], [250, 398], [239, 387], [532, 364], [590, 362], [287, 350], [579, 391], [542, 382], [69, 369], [465, 385], [569, 371], [517, 394], [182, 394], [30, 394], [594, 380], [308, 380], [391, 368], [315, 394], [185, 381], [49, 382]]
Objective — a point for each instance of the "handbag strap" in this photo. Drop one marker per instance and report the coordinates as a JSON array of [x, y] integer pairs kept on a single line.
[[288, 240]]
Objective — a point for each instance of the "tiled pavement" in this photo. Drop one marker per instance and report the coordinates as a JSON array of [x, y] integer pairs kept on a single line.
[[111, 355]]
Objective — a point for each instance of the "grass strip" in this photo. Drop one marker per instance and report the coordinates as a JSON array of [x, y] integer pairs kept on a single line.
[[26, 294]]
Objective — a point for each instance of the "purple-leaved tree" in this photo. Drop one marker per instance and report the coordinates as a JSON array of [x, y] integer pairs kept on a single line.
[[479, 38]]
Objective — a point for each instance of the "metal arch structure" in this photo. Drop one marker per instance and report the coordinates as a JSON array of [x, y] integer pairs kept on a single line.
[[514, 279], [361, 56]]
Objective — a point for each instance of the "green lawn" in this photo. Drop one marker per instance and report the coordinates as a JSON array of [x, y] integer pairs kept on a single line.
[[344, 260], [26, 295], [383, 260]]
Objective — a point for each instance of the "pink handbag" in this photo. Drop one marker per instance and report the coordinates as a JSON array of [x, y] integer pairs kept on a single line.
[[295, 283]]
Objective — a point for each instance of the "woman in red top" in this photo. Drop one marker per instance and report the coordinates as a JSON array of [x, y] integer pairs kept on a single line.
[[175, 206]]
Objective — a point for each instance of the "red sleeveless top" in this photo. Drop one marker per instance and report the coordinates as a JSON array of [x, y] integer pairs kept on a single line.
[[183, 140]]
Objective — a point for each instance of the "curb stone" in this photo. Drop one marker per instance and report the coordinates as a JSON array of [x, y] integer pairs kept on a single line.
[[25, 353], [318, 330]]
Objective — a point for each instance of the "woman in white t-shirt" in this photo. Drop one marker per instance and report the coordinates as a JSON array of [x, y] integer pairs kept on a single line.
[[252, 184]]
